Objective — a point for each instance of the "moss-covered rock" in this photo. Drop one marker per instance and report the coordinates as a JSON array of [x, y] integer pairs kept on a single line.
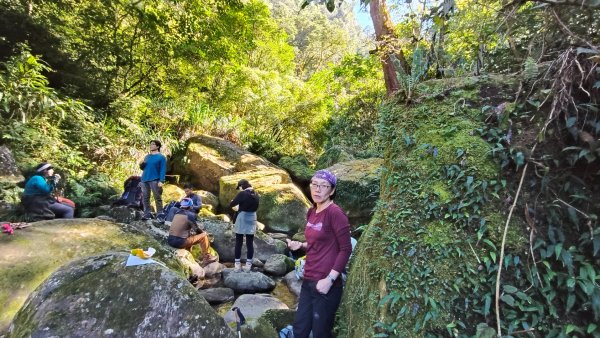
[[258, 179], [357, 189], [334, 155], [428, 252], [98, 296], [208, 158], [170, 193], [30, 255], [209, 200], [269, 324], [282, 205], [298, 167]]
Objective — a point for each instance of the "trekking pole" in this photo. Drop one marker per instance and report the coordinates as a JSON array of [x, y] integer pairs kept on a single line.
[[239, 320]]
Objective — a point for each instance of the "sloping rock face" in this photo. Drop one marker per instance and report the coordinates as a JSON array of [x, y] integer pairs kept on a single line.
[[99, 296], [30, 255], [208, 158], [357, 188]]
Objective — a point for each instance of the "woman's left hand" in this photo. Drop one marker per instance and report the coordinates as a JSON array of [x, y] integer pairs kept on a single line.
[[324, 285]]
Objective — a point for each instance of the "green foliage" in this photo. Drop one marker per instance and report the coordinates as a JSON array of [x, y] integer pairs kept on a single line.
[[90, 192], [357, 86]]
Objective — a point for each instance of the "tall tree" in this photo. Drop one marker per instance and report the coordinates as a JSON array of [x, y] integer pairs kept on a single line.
[[388, 44]]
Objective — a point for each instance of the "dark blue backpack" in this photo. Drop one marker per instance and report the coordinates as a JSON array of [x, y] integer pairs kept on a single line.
[[132, 194]]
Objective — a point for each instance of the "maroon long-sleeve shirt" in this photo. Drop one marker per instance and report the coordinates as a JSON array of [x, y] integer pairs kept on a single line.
[[328, 242]]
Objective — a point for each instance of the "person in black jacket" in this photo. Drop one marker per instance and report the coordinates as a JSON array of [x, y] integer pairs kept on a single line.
[[246, 204]]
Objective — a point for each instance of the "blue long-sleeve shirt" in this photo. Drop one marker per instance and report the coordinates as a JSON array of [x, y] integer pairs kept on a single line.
[[155, 169], [37, 186]]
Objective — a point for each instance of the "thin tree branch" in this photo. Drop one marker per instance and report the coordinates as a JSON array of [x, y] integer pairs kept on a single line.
[[512, 208], [568, 31]]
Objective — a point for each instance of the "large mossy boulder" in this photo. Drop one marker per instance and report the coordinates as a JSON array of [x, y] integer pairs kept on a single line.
[[100, 296], [334, 155], [357, 189], [208, 158], [30, 255], [170, 193], [425, 261], [298, 167], [282, 206]]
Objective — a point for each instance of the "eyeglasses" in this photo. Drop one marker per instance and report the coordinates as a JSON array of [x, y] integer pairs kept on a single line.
[[319, 186]]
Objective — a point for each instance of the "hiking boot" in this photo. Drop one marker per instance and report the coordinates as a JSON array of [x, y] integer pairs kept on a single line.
[[237, 267], [248, 267], [146, 218], [209, 259]]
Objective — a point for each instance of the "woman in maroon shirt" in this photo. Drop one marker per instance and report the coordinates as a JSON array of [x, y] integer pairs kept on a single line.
[[328, 249]]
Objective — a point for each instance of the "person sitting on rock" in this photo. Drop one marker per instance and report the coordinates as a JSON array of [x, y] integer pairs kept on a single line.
[[173, 208], [180, 236], [37, 199]]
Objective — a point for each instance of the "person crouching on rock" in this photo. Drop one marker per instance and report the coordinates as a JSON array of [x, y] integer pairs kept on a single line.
[[37, 199], [180, 236], [246, 202]]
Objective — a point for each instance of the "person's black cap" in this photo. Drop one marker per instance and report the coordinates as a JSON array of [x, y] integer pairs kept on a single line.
[[243, 183]]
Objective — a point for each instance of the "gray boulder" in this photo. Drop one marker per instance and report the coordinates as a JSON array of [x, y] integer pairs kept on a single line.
[[98, 296], [123, 214], [217, 295], [357, 189], [248, 282], [224, 241], [253, 307], [279, 265], [293, 283]]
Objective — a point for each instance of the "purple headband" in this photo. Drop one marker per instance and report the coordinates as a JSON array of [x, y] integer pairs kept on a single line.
[[326, 175]]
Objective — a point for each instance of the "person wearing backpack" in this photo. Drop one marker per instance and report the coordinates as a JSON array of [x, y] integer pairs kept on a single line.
[[328, 249], [154, 169], [38, 199], [246, 204]]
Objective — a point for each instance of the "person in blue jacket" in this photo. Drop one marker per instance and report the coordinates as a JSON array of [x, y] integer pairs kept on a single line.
[[154, 169], [37, 199]]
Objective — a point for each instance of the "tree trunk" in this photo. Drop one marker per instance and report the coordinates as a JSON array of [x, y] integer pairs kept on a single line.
[[387, 44]]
